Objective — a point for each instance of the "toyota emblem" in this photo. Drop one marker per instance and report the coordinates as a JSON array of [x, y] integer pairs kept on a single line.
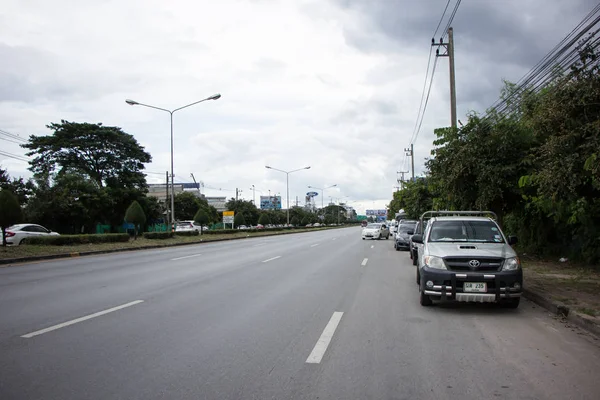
[[474, 263]]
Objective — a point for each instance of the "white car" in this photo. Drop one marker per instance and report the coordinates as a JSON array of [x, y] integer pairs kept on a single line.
[[183, 226], [16, 233], [375, 231]]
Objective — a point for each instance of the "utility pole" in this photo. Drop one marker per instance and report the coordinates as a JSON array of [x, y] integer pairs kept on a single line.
[[237, 192], [410, 152], [449, 47], [401, 180], [253, 195], [167, 199]]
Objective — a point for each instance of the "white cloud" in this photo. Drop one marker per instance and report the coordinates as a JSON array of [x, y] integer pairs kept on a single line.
[[295, 91]]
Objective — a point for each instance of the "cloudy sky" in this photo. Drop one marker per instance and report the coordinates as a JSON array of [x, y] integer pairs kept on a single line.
[[331, 84]]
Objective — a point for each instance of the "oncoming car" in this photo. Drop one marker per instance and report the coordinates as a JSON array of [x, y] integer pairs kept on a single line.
[[375, 231], [466, 257]]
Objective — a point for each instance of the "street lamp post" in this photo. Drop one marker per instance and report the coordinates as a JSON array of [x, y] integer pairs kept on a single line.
[[322, 191], [287, 184], [135, 103]]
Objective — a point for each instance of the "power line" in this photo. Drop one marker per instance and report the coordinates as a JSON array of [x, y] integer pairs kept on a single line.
[[426, 101], [452, 16], [16, 157], [441, 19], [11, 135], [422, 95], [8, 140]]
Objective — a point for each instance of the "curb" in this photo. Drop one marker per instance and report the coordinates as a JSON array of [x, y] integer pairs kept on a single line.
[[560, 309], [7, 262]]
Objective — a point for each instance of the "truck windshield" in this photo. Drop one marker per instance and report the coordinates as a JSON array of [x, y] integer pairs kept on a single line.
[[465, 231]]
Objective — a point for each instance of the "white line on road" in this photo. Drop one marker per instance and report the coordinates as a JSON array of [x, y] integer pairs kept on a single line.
[[320, 348], [271, 259], [372, 246], [181, 258], [365, 261], [334, 238], [315, 245], [74, 321]]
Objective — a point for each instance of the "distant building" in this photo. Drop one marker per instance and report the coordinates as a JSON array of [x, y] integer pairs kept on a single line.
[[217, 202], [160, 191]]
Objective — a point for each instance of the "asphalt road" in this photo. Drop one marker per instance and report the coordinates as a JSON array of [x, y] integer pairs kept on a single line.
[[321, 315]]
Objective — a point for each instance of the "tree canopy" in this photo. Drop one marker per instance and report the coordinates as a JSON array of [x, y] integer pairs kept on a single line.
[[106, 154], [10, 212]]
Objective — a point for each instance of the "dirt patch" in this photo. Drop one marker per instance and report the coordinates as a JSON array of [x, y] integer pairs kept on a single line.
[[576, 286]]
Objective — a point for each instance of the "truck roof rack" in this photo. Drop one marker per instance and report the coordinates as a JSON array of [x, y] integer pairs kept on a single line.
[[430, 214]]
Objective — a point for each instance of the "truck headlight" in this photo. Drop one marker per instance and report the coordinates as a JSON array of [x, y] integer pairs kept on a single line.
[[435, 262], [511, 264]]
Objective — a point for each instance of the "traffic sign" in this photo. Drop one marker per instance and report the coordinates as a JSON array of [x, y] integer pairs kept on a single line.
[[228, 213]]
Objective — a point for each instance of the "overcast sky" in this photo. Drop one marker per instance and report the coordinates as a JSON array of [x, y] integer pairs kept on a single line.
[[331, 84]]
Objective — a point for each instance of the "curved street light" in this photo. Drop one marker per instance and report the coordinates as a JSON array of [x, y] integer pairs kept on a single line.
[[136, 103], [322, 191], [287, 183]]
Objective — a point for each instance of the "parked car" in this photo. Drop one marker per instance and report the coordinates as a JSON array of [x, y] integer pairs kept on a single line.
[[402, 237], [188, 226], [17, 233], [466, 257], [375, 231], [414, 247]]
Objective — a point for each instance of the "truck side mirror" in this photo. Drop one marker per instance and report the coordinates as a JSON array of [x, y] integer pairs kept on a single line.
[[417, 239]]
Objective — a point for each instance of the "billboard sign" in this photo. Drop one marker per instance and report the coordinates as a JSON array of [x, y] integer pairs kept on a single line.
[[377, 213], [228, 213], [312, 194], [270, 202]]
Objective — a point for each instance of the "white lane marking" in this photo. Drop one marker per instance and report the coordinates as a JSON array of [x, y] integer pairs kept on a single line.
[[365, 261], [372, 246], [316, 355], [81, 319], [334, 238], [271, 259], [315, 245], [181, 258]]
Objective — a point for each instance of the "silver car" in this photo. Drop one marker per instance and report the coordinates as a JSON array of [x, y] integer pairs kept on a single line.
[[375, 231], [465, 256]]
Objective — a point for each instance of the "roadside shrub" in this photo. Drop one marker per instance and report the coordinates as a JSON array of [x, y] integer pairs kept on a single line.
[[187, 233], [63, 240], [158, 235]]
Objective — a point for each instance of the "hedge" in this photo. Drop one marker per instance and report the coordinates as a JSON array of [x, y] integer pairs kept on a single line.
[[187, 233], [158, 235], [77, 239]]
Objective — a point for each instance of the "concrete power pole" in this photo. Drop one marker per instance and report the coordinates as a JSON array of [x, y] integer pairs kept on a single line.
[[410, 152], [449, 47], [401, 180]]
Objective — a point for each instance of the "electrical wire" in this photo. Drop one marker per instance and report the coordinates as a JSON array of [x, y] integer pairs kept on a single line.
[[441, 19], [452, 17], [16, 157], [12, 136], [426, 101]]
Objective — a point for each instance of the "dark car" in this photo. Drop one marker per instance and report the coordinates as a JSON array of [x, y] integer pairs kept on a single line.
[[403, 234]]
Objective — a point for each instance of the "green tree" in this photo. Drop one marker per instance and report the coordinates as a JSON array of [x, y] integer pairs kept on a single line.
[[201, 218], [135, 215], [295, 220], [22, 189], [239, 220], [305, 221], [187, 205], [152, 208], [264, 219], [106, 154], [10, 212], [247, 208]]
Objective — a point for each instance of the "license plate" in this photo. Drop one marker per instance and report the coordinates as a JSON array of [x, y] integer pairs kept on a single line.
[[480, 287]]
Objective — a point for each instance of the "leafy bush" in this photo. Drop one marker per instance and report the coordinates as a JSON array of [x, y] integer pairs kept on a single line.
[[158, 235], [77, 239], [187, 233]]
